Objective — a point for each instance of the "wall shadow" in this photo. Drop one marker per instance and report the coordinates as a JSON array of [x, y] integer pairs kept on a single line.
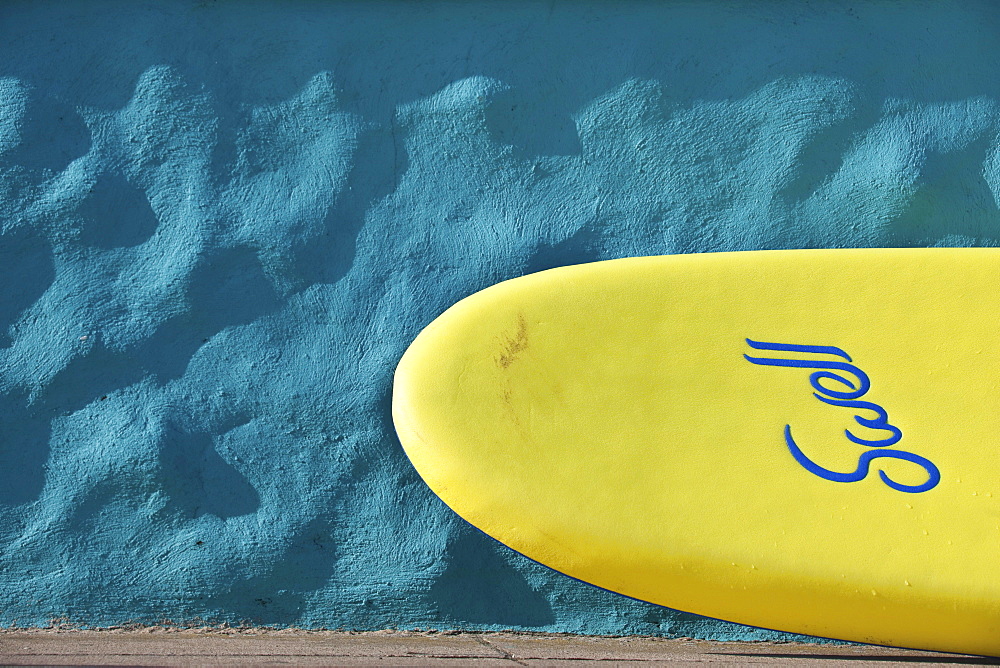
[[51, 136], [379, 164], [709, 51], [582, 246], [478, 586], [952, 199], [277, 594], [24, 450], [198, 480], [26, 265], [227, 288], [116, 214]]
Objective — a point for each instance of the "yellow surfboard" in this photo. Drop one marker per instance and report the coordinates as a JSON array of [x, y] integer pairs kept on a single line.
[[797, 440]]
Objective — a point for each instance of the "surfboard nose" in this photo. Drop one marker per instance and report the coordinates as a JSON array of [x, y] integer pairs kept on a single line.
[[787, 439]]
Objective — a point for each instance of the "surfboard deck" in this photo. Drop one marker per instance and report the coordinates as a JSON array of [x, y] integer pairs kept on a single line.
[[797, 440]]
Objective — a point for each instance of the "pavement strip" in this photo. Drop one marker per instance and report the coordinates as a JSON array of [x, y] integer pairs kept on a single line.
[[169, 646]]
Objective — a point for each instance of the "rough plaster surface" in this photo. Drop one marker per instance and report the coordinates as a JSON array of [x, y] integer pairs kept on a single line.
[[222, 223]]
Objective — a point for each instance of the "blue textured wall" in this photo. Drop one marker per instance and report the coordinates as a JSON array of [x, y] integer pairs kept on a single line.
[[222, 223]]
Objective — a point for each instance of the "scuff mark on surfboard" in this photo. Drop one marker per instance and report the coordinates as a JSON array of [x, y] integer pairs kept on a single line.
[[515, 345]]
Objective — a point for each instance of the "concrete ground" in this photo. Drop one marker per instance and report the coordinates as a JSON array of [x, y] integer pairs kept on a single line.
[[205, 647]]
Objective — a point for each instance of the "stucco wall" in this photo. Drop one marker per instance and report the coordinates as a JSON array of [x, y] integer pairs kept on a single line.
[[221, 223]]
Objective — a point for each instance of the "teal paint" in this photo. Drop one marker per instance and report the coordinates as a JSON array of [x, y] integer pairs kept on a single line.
[[222, 223]]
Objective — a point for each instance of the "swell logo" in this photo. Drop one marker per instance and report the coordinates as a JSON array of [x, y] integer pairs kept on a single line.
[[855, 385]]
